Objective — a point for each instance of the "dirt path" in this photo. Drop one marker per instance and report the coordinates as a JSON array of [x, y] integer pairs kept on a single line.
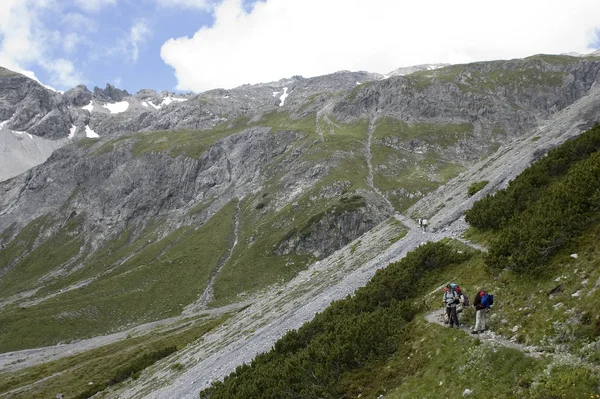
[[436, 317]]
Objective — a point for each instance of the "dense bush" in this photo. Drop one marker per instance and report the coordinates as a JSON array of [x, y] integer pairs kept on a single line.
[[349, 334], [562, 212], [544, 208], [495, 212]]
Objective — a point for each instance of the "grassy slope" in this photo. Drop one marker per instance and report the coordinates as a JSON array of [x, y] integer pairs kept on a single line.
[[71, 375], [513, 74], [432, 361], [418, 174], [157, 282]]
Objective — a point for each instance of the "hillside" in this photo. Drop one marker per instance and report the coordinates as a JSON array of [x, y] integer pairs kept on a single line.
[[244, 227], [376, 341]]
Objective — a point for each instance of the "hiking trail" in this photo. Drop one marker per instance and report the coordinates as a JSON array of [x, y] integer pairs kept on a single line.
[[489, 337]]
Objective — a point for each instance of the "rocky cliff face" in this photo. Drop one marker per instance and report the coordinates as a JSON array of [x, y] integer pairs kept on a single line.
[[513, 95], [27, 106], [78, 96]]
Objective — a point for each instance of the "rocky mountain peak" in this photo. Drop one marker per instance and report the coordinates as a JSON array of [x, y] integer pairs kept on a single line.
[[110, 93], [78, 96]]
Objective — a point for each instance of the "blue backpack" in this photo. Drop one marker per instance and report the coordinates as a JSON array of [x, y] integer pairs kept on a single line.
[[487, 300]]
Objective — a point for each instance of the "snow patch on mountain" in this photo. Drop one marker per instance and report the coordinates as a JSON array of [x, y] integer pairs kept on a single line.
[[89, 107], [414, 68], [72, 131], [167, 101], [90, 133], [283, 96], [144, 104], [117, 108]]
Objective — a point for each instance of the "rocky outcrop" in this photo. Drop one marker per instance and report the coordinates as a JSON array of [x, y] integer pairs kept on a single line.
[[513, 95], [110, 93], [331, 231], [78, 96], [26, 105]]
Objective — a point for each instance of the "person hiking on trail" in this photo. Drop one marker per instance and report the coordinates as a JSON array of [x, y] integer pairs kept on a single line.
[[464, 300], [424, 224], [420, 220], [480, 311], [450, 300]]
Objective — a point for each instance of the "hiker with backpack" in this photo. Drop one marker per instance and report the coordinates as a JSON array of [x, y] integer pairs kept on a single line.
[[482, 304], [451, 300], [463, 298]]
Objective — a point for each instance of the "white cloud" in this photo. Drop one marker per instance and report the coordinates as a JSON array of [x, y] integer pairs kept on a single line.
[[94, 5], [78, 22], [281, 38], [70, 41], [137, 35], [24, 42], [198, 4], [129, 43], [63, 72]]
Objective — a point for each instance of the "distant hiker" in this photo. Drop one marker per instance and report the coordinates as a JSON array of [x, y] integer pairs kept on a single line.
[[420, 222], [424, 223], [450, 301], [482, 303]]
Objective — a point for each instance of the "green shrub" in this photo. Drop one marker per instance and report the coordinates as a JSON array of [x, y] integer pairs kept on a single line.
[[476, 187]]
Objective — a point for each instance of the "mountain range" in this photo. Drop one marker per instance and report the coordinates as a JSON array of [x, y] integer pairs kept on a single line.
[[219, 221]]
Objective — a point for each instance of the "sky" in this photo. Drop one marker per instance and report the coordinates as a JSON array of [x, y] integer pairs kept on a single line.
[[197, 45]]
